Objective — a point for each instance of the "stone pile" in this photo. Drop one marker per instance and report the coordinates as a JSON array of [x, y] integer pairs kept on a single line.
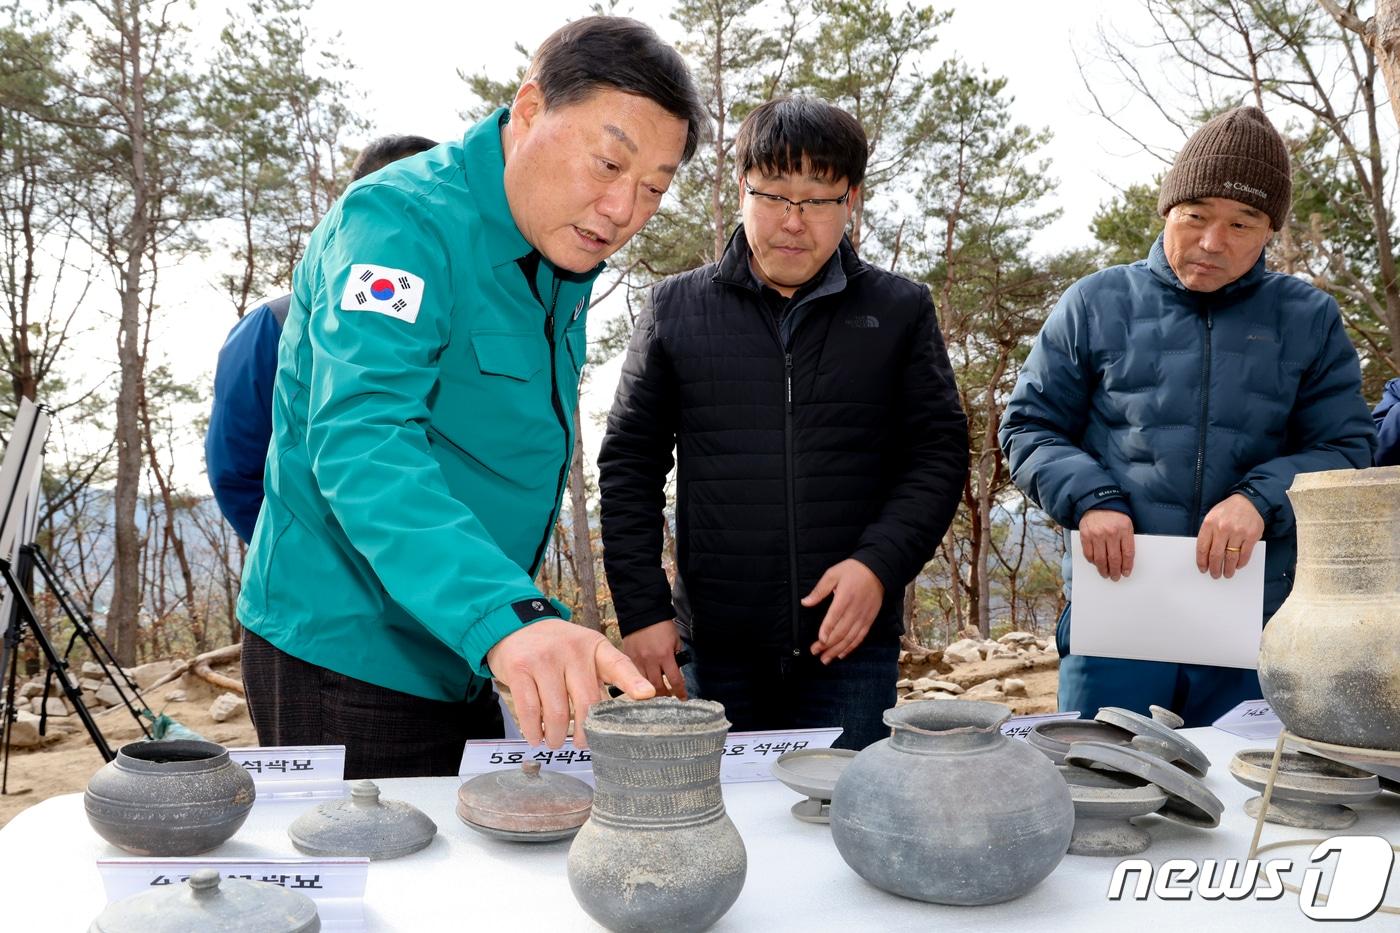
[[98, 694], [1023, 646]]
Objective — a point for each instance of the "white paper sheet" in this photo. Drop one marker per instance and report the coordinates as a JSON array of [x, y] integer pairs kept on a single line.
[[1168, 610]]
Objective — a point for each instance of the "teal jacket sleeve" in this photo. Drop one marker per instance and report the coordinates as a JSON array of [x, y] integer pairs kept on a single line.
[[1046, 416], [372, 375]]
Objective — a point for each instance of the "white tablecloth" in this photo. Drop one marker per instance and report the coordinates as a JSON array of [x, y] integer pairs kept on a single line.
[[796, 879]]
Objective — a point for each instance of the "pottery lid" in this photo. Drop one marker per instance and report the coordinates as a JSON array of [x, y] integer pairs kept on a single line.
[[362, 826], [209, 902], [1304, 777], [525, 800], [1166, 742], [1188, 800]]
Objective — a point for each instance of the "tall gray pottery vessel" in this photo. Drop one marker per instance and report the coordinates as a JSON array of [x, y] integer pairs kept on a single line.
[[169, 798], [949, 810], [1329, 661], [658, 851]]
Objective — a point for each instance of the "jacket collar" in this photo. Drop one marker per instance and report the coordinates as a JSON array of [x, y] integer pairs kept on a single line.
[[485, 165], [1161, 268], [734, 269]]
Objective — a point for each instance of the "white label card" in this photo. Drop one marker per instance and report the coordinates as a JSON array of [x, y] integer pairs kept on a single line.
[[1018, 727], [337, 885], [1252, 719], [294, 771], [749, 756], [496, 754]]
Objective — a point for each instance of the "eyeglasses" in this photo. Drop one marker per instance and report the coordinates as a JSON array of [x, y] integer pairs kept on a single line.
[[775, 206]]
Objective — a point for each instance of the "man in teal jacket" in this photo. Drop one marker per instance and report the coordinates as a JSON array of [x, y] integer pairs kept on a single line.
[[422, 421]]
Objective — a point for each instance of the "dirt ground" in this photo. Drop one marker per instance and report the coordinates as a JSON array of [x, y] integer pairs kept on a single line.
[[64, 765]]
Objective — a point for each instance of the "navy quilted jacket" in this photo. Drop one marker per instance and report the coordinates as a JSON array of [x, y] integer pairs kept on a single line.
[[1144, 396], [837, 434]]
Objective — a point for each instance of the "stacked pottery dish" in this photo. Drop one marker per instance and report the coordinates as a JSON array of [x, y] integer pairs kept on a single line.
[[1309, 792], [169, 798]]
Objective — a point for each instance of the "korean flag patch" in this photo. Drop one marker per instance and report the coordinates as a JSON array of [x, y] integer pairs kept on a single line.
[[383, 290]]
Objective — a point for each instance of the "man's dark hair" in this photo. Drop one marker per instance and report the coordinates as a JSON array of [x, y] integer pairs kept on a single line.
[[777, 137], [623, 54], [387, 149]]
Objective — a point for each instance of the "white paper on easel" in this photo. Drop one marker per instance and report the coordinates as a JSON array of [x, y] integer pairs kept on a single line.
[[1168, 610]]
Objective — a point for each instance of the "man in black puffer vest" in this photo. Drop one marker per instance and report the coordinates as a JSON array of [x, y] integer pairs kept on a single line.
[[821, 449]]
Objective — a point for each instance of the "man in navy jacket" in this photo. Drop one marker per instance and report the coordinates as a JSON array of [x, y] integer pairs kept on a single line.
[[240, 424], [1180, 395]]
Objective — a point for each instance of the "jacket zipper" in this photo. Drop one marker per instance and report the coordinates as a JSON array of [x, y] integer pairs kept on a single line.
[[558, 410], [1205, 414], [791, 505]]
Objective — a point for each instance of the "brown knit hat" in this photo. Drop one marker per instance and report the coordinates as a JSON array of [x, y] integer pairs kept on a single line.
[[1237, 155]]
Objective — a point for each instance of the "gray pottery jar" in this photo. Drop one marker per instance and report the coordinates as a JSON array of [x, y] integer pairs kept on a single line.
[[658, 851], [169, 798], [209, 903], [1329, 656], [949, 810]]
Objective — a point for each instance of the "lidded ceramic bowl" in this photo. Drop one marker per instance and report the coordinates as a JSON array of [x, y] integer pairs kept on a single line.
[[209, 902], [363, 826], [525, 805]]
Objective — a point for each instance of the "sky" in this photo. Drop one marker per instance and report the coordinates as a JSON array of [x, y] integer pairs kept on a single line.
[[406, 56]]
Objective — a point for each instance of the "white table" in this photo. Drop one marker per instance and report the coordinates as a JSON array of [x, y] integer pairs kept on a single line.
[[796, 880]]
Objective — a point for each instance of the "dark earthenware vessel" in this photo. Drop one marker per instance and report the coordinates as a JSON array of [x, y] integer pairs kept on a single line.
[[169, 798], [658, 851], [949, 810], [1328, 657]]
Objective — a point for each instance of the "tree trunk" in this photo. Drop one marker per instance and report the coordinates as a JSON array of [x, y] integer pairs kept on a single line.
[[123, 615], [588, 615], [1386, 42], [911, 593]]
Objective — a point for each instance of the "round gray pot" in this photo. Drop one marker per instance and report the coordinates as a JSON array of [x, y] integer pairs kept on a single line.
[[169, 798], [949, 810]]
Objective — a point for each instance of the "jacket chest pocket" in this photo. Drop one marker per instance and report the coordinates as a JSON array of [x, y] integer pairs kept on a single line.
[[518, 357], [494, 400]]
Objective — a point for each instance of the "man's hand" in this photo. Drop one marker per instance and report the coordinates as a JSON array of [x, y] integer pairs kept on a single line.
[[550, 664], [1228, 536], [653, 649], [858, 596], [1107, 539]]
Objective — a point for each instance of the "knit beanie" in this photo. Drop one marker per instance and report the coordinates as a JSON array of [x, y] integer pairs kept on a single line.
[[1236, 155]]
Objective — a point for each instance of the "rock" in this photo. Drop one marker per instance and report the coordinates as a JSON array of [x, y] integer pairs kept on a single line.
[[30, 690], [226, 706], [965, 651], [903, 683], [92, 669], [1043, 644], [176, 696], [91, 701], [928, 683], [986, 690], [1002, 651], [147, 674], [109, 696], [1017, 638], [1014, 687], [24, 731], [56, 706], [91, 684]]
